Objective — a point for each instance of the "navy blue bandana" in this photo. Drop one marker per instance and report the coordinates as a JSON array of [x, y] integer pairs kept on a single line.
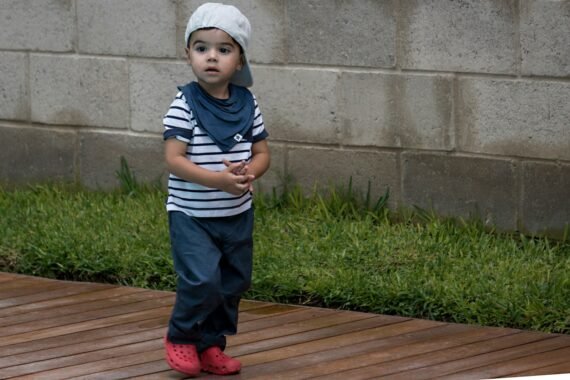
[[226, 121]]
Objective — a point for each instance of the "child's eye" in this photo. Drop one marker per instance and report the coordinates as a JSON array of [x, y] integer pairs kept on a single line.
[[225, 50], [200, 49]]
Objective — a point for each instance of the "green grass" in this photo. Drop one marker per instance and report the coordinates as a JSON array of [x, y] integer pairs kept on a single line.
[[339, 251]]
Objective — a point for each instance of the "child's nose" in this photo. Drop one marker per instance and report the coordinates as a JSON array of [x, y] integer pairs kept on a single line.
[[212, 55]]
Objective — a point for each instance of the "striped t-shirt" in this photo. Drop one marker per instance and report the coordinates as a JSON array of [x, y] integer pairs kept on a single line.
[[192, 198]]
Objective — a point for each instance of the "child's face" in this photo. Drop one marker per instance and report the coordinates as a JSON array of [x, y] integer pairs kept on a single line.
[[214, 57]]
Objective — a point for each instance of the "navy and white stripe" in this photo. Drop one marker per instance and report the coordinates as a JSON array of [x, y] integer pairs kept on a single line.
[[194, 199]]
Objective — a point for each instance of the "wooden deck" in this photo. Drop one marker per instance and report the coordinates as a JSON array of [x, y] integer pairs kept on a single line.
[[59, 330]]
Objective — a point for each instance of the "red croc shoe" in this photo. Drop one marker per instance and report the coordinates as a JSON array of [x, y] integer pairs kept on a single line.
[[216, 362], [182, 357]]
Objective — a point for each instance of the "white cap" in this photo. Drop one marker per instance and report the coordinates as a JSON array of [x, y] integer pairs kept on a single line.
[[229, 19]]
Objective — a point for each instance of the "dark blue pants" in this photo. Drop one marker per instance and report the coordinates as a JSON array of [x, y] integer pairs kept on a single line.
[[213, 261]]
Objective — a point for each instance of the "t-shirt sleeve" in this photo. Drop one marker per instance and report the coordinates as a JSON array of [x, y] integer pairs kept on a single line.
[[178, 121], [259, 131]]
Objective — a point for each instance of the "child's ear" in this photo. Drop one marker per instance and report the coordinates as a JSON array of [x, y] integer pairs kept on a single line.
[[188, 60], [241, 61]]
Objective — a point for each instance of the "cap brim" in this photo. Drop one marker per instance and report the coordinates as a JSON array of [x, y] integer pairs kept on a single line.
[[243, 77]]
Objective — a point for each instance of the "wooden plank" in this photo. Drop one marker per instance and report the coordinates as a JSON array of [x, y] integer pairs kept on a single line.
[[23, 282], [82, 294], [269, 310], [385, 356], [61, 291], [245, 305], [356, 327], [158, 369], [554, 369], [111, 310], [324, 320], [79, 307], [63, 362], [476, 355], [327, 320], [428, 365], [7, 276], [333, 347], [59, 342], [90, 345], [301, 314], [510, 367], [320, 351], [92, 367], [83, 326], [171, 375]]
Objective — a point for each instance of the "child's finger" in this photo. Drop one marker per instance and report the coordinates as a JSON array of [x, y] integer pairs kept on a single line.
[[234, 167]]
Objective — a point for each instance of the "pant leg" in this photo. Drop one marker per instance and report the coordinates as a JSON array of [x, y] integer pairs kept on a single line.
[[196, 261], [236, 269]]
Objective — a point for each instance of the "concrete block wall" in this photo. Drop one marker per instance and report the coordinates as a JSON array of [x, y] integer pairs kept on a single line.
[[462, 107]]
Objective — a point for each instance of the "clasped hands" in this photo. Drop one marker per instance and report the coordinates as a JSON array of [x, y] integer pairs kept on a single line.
[[236, 178]]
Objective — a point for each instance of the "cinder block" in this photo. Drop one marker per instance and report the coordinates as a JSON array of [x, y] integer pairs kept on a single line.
[[467, 187], [268, 36], [323, 168], [79, 91], [127, 27], [298, 104], [153, 86], [275, 178], [514, 118], [389, 110], [35, 155], [463, 36], [346, 33], [14, 100], [545, 37], [44, 25], [546, 200], [100, 158]]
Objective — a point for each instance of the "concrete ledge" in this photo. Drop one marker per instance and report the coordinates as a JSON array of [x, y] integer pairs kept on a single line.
[[30, 155], [310, 167], [100, 158], [467, 187], [545, 199], [275, 177]]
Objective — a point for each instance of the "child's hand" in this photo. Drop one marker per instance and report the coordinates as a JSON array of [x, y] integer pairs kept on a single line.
[[234, 179], [241, 169]]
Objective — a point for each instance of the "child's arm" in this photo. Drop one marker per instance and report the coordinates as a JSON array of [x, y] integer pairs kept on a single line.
[[182, 167], [260, 159]]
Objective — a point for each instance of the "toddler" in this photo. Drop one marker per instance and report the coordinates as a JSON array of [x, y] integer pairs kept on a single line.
[[215, 147]]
